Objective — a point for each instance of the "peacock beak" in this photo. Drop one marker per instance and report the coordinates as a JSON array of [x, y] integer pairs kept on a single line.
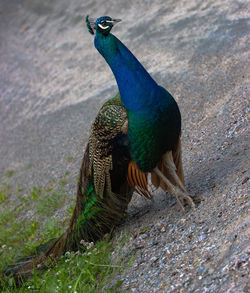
[[116, 21]]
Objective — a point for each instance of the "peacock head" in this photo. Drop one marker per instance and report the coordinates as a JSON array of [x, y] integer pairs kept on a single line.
[[102, 25]]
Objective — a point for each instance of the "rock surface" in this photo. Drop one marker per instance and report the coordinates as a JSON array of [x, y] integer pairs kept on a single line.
[[53, 81]]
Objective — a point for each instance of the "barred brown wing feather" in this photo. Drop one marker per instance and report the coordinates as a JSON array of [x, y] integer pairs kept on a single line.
[[110, 122]]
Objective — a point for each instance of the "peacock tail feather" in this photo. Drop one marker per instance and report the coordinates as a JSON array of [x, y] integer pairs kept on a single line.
[[103, 192]]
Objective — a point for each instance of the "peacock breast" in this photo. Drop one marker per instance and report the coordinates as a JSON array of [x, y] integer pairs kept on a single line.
[[153, 132]]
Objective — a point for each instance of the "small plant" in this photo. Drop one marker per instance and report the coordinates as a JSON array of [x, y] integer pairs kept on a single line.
[[144, 229], [35, 193], [66, 173], [10, 173], [29, 166], [69, 158], [19, 188], [63, 182], [4, 192]]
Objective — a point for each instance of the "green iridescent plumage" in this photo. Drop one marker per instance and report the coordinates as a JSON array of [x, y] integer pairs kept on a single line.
[[151, 135]]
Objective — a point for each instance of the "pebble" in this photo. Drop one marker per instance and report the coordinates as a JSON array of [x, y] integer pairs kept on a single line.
[[163, 229], [154, 259], [202, 237]]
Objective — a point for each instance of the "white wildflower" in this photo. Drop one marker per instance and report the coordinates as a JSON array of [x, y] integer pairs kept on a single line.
[[90, 245]]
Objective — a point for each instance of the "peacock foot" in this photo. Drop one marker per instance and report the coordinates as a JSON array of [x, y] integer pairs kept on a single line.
[[183, 199], [179, 192]]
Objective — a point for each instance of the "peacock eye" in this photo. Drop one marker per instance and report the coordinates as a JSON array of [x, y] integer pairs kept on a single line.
[[103, 25]]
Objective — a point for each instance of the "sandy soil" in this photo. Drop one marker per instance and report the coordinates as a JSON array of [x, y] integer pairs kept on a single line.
[[53, 81]]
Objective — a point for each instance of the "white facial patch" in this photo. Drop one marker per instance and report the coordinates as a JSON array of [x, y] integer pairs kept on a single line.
[[103, 27]]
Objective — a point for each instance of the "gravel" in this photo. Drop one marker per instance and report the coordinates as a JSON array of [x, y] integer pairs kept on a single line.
[[53, 81]]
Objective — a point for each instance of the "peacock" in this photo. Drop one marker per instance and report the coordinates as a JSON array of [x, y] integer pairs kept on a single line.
[[135, 135]]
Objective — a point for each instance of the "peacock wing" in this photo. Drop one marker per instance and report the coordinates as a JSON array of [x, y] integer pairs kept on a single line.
[[108, 130]]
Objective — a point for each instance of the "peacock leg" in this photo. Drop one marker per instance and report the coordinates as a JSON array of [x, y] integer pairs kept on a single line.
[[179, 194], [170, 165]]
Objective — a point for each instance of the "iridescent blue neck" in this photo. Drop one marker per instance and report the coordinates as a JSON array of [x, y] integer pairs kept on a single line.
[[137, 88]]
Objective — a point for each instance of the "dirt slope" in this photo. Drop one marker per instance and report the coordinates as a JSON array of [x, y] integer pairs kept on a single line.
[[53, 81]]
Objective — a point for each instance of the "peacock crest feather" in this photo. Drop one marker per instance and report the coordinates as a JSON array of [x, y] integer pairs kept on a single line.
[[90, 25]]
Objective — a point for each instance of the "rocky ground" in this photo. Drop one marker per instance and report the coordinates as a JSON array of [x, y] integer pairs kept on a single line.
[[53, 81]]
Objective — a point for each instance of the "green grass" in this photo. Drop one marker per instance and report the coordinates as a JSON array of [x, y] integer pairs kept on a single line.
[[144, 229], [69, 158], [91, 271], [30, 223], [66, 173], [63, 182], [29, 166], [10, 173], [4, 192]]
